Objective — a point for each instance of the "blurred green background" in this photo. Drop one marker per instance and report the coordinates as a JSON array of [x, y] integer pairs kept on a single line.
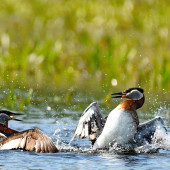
[[90, 43]]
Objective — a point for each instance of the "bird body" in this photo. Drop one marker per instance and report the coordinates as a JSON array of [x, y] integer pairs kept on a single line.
[[121, 124], [29, 140], [120, 127]]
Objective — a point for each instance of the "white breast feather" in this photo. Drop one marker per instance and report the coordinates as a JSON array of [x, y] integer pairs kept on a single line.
[[120, 128]]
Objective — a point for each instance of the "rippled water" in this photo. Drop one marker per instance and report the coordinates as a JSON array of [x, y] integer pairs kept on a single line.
[[58, 118]]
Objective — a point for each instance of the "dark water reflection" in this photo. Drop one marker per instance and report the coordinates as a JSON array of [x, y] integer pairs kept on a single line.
[[57, 117]]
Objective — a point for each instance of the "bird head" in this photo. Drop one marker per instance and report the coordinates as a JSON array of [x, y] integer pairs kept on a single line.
[[131, 93]]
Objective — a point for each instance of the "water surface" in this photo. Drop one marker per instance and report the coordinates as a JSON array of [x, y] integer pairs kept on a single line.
[[57, 116]]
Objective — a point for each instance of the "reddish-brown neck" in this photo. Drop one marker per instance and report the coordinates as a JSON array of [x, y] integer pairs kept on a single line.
[[133, 104], [7, 131], [6, 124]]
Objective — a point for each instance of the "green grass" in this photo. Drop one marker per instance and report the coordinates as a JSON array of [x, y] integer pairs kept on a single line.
[[65, 42]]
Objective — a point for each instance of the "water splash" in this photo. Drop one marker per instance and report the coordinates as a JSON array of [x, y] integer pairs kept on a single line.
[[160, 140], [162, 137]]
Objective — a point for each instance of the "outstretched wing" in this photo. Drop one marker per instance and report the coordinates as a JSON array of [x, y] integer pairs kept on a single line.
[[146, 130], [29, 140], [91, 123]]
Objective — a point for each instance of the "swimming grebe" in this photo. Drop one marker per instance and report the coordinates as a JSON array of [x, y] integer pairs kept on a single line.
[[121, 126], [29, 140]]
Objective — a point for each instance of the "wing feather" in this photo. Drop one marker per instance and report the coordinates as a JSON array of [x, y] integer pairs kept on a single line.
[[146, 130], [30, 140], [38, 146], [91, 123]]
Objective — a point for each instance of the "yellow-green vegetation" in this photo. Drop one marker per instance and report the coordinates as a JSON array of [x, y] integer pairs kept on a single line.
[[66, 42]]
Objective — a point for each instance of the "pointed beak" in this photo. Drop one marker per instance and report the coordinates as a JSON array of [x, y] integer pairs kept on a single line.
[[13, 114], [119, 95], [10, 113], [15, 119]]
